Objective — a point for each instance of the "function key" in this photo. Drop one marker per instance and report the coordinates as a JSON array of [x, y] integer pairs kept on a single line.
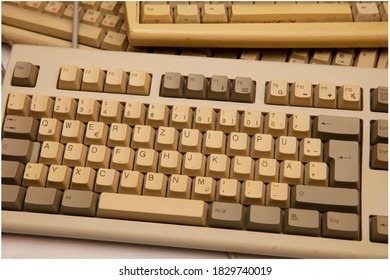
[[25, 74], [219, 88], [243, 90], [172, 85]]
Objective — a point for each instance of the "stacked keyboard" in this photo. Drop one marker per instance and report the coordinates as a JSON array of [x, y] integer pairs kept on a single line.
[[228, 155]]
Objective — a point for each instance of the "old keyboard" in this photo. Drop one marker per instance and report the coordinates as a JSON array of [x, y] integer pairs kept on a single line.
[[258, 24], [103, 25], [264, 158]]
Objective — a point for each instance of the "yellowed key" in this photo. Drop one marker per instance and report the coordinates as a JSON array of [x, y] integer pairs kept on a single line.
[[96, 133], [275, 124], [146, 160], [218, 166], [131, 182], [59, 177], [291, 172], [156, 13], [98, 156], [122, 158], [107, 180], [242, 168], [262, 146], [325, 95], [253, 192], [54, 8], [41, 106], [238, 144], [286, 147], [157, 115], [88, 110], [187, 14], [252, 122], [111, 23], [179, 186], [204, 189], [72, 131], [194, 164], [167, 138], [299, 125], [65, 108], [93, 79], [204, 119], [181, 116], [92, 17], [349, 97], [277, 92], [51, 152], [155, 184], [70, 77], [228, 190], [18, 104], [115, 41], [170, 162], [35, 174], [267, 170], [278, 194], [365, 12], [134, 113], [139, 82], [214, 142], [83, 178], [229, 120], [190, 140], [119, 135], [115, 81], [213, 13], [310, 149], [49, 130], [322, 56], [75, 154], [344, 57], [109, 7], [316, 174], [301, 94], [143, 137]]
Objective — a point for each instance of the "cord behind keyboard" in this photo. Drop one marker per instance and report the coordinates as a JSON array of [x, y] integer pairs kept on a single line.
[[227, 155]]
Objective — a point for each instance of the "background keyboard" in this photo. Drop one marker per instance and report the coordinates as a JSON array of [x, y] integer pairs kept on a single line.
[[103, 25], [262, 158]]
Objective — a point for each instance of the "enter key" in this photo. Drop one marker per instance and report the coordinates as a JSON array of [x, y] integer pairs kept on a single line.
[[344, 163]]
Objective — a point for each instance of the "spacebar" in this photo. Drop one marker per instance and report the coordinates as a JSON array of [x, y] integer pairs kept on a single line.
[[152, 208]]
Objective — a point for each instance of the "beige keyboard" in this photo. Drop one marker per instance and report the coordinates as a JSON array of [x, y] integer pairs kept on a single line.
[[258, 24], [50, 24], [217, 154]]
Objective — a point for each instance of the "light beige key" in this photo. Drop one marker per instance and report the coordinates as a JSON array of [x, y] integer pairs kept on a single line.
[[170, 162], [228, 190], [299, 56], [194, 164], [253, 192], [72, 131], [41, 106], [301, 94], [93, 5], [115, 41], [250, 54], [242, 168], [365, 12], [107, 180], [190, 140], [251, 122], [229, 120], [92, 17], [316, 174], [203, 188], [111, 111], [54, 8], [218, 166], [277, 92], [167, 138], [155, 184], [109, 7], [278, 194], [325, 95], [59, 177], [383, 59], [204, 119], [139, 82], [299, 125], [262, 145], [122, 158], [131, 182], [286, 147], [35, 174], [49, 130], [384, 11], [267, 170], [322, 56], [146, 160], [291, 172], [367, 58], [275, 124], [181, 117], [93, 79], [134, 113], [214, 142], [179, 186], [310, 149], [83, 178], [75, 154], [96, 133], [51, 152], [349, 97], [69, 12], [111, 23], [157, 115], [187, 14], [98, 156], [287, 12], [119, 135], [116, 80], [213, 13], [156, 209], [35, 6], [70, 77], [344, 57], [143, 137], [156, 13], [88, 110], [18, 104], [238, 144], [65, 108]]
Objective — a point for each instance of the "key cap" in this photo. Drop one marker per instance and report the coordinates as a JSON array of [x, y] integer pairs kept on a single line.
[[301, 94], [196, 86], [75, 154], [228, 190], [98, 156], [25, 74], [332, 127], [96, 133], [119, 135], [20, 127], [325, 95], [92, 17], [228, 121], [179, 186], [365, 12], [302, 222], [325, 199], [146, 160], [194, 164], [65, 108], [131, 182], [134, 113], [70, 77], [18, 104], [316, 174], [158, 115], [219, 88], [383, 59], [59, 177], [156, 14], [41, 106], [79, 203], [111, 112], [349, 97], [181, 117], [278, 194], [214, 142], [11, 172], [187, 14], [264, 218], [35, 174], [310, 149], [12, 197], [379, 99], [111, 23], [106, 180], [379, 229], [251, 122], [238, 144], [321, 56], [49, 130], [170, 162], [340, 225], [167, 138], [379, 131], [253, 192], [16, 150], [379, 156], [204, 119], [93, 79], [83, 178], [139, 82], [218, 166], [172, 85], [54, 8], [243, 90], [226, 215], [344, 162], [291, 172], [277, 92], [155, 184], [143, 137], [115, 81], [45, 200], [367, 58], [275, 124], [262, 146], [122, 158], [267, 170], [88, 110], [286, 147], [203, 189], [213, 13], [299, 125], [150, 208], [72, 131]]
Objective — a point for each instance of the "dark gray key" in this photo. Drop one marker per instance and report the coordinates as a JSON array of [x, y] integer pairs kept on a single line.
[[75, 202], [172, 85], [340, 225], [196, 86], [325, 198], [219, 88], [379, 156], [244, 90], [16, 149], [11, 172], [46, 200], [336, 127], [20, 127], [12, 197], [379, 99], [344, 163], [226, 215], [264, 218], [379, 229], [25, 74], [303, 222], [379, 131]]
